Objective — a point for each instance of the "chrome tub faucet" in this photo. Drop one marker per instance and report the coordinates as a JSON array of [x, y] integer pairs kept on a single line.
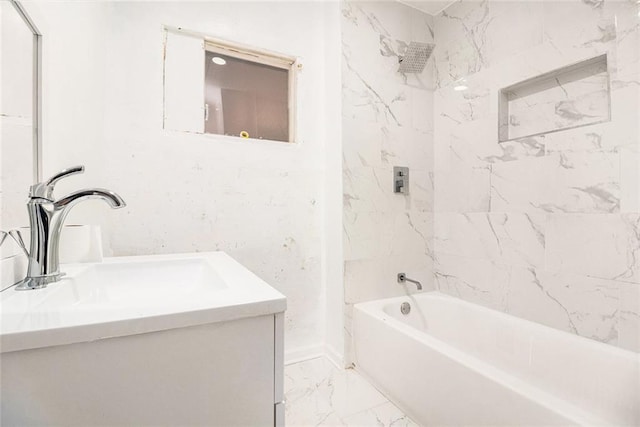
[[46, 218], [402, 278]]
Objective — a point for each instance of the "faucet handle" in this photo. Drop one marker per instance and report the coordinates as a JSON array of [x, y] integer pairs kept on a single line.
[[44, 190]]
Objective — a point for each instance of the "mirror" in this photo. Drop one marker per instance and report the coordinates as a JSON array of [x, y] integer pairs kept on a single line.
[[19, 115]]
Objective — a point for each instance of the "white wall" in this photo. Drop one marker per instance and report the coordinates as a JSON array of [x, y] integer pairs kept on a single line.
[[333, 249], [262, 202]]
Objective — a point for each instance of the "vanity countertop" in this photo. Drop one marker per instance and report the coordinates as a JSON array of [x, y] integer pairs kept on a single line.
[[133, 295]]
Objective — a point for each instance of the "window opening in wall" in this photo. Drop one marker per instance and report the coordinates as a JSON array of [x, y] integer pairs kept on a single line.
[[218, 87], [248, 94]]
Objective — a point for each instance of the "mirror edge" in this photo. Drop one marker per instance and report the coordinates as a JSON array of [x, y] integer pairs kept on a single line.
[[37, 90]]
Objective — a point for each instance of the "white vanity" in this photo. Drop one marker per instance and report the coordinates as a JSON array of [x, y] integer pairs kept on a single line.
[[192, 339]]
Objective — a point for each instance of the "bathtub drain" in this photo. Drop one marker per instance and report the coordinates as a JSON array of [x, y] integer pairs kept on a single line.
[[405, 308]]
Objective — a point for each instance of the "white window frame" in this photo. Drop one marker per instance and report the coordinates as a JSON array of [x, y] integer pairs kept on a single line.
[[256, 55]]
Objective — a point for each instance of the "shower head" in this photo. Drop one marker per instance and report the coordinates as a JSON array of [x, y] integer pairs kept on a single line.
[[415, 57]]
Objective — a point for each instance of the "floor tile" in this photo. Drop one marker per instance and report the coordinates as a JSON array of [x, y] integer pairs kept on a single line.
[[319, 394], [385, 415]]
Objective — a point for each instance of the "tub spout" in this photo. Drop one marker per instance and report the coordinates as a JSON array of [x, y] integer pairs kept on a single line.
[[402, 278]]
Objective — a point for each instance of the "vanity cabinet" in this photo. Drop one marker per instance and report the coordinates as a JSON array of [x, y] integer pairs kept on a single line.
[[217, 374], [162, 340]]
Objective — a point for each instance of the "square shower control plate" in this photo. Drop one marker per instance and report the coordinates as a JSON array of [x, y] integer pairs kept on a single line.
[[401, 179]]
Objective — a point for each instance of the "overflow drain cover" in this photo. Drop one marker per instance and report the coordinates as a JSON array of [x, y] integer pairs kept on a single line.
[[405, 308]]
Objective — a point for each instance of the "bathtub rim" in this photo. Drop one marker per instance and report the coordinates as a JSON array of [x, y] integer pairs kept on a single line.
[[377, 306], [375, 310]]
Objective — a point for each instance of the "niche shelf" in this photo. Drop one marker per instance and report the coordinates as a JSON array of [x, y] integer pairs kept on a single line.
[[569, 97]]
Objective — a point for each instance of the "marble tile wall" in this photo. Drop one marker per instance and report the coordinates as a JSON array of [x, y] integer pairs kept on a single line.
[[573, 96], [387, 121], [545, 227]]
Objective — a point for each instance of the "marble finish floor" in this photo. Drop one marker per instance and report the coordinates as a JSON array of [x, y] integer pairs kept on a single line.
[[317, 393]]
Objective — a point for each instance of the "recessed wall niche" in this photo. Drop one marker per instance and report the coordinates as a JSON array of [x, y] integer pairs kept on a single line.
[[572, 96]]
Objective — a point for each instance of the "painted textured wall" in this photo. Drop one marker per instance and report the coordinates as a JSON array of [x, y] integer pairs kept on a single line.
[[261, 202], [547, 227], [386, 122]]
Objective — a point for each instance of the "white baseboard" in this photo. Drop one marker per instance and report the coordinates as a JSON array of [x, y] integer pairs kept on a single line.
[[335, 357], [315, 351], [301, 354]]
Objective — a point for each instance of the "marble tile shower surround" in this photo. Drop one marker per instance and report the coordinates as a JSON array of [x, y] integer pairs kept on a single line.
[[576, 95], [544, 227], [387, 121]]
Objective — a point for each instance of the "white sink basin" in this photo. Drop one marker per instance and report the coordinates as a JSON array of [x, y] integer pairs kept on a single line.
[[132, 295], [153, 280]]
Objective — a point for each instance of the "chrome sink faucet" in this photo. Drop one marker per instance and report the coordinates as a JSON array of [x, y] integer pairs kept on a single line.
[[46, 217]]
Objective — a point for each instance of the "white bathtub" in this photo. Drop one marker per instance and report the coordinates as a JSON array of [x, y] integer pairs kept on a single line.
[[450, 362]]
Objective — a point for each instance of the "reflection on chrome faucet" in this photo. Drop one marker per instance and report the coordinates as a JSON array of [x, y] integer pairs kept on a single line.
[[46, 217]]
